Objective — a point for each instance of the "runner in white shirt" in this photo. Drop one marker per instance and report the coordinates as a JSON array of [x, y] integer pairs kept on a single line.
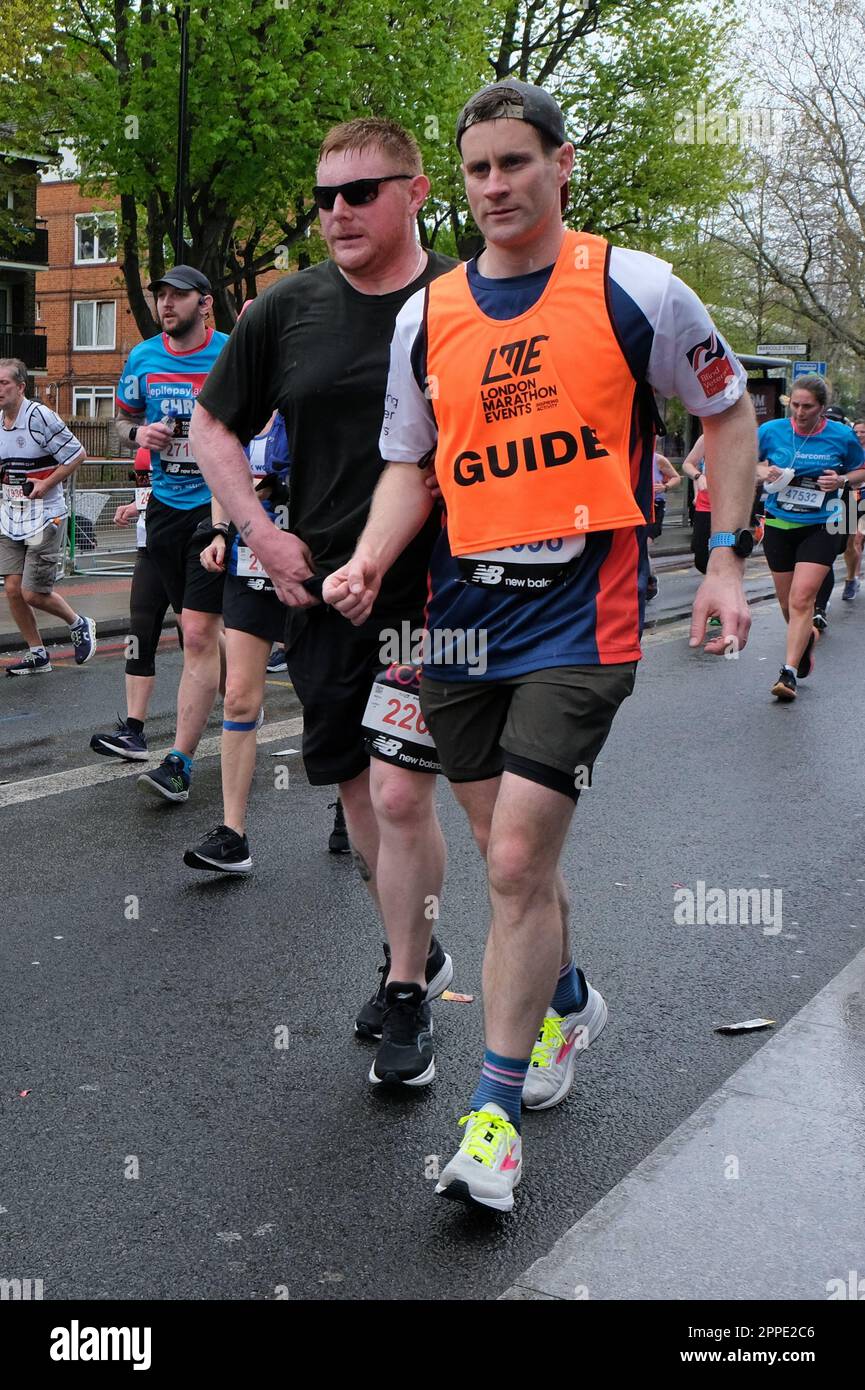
[[38, 452]]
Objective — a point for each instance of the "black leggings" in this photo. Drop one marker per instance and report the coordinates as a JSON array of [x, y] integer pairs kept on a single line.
[[824, 593], [700, 539], [148, 604]]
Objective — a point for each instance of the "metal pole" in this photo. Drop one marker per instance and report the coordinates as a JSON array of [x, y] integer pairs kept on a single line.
[[182, 135]]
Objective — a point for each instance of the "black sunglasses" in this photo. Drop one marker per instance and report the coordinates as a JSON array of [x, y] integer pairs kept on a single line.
[[356, 193]]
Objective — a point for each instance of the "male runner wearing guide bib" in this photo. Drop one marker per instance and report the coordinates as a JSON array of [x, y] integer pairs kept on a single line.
[[156, 395], [529, 371]]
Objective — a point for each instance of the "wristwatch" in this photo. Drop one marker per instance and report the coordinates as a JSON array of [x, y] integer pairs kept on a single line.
[[740, 542], [133, 433]]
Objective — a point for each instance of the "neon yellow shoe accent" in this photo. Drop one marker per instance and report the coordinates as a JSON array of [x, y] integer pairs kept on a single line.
[[550, 1040], [483, 1139]]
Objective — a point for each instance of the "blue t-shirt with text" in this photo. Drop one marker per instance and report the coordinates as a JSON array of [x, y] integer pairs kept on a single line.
[[164, 385]]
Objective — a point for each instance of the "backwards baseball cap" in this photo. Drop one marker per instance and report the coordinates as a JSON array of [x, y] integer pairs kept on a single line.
[[183, 277], [516, 101]]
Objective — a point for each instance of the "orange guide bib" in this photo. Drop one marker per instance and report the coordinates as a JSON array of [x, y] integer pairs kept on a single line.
[[533, 413]]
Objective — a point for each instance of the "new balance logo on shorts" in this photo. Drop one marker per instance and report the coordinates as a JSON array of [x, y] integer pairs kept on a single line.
[[487, 574], [388, 747]]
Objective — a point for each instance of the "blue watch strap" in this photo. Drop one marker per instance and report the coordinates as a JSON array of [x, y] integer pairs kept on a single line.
[[722, 538]]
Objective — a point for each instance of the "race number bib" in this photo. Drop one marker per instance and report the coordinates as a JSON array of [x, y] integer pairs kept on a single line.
[[393, 725], [531, 568], [142, 497], [177, 460], [801, 499], [248, 564], [12, 491]]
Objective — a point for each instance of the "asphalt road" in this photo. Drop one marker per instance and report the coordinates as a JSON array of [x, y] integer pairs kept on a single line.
[[167, 1147]]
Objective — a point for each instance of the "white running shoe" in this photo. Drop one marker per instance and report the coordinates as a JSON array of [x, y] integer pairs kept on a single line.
[[488, 1163], [561, 1039]]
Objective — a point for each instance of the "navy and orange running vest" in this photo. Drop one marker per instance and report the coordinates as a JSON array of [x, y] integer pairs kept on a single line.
[[534, 414]]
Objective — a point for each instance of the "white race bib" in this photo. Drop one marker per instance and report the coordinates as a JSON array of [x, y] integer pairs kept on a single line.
[[142, 497], [396, 715], [177, 457], [810, 498], [248, 564], [12, 491], [532, 567]]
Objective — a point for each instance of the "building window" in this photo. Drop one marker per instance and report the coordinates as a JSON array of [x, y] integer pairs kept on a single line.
[[94, 323], [93, 402], [95, 238]]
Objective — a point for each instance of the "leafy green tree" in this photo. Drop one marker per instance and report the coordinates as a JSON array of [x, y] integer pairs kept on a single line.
[[267, 79], [632, 77]]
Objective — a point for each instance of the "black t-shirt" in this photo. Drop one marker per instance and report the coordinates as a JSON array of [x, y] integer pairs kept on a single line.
[[318, 350]]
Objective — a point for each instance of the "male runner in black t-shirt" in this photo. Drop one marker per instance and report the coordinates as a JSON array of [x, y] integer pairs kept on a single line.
[[316, 347]]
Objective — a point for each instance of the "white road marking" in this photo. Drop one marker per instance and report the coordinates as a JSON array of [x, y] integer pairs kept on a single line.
[[32, 788]]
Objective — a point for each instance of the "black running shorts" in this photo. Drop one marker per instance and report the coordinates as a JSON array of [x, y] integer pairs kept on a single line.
[[175, 548], [332, 666], [258, 612], [548, 726], [786, 547]]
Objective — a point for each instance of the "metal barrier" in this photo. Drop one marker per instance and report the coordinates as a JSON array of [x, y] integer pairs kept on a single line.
[[95, 544]]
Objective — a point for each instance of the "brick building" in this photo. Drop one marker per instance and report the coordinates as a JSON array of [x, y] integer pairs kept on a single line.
[[81, 302]]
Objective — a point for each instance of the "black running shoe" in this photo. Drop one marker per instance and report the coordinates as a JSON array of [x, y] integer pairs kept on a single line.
[[338, 842], [29, 665], [806, 660], [224, 850], [651, 588], [439, 973], [123, 743], [170, 779], [785, 686], [405, 1055], [821, 619]]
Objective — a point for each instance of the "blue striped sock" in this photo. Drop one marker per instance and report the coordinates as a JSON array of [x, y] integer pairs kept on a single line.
[[501, 1081], [572, 993]]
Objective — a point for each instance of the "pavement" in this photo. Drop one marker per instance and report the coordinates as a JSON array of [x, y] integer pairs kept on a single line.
[[758, 1195], [186, 1113]]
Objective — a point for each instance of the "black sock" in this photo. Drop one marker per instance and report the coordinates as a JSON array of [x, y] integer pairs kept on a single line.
[[136, 725]]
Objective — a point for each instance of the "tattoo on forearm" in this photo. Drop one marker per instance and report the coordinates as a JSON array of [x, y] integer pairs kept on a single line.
[[244, 529], [362, 866]]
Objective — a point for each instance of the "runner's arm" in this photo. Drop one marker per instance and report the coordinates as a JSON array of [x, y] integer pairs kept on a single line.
[[668, 472], [731, 467], [692, 460], [401, 504], [63, 472], [225, 468]]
